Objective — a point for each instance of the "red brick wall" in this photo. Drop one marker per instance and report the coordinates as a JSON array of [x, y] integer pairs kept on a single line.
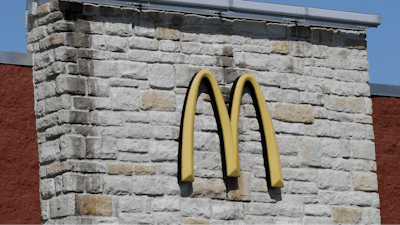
[[19, 161], [386, 124]]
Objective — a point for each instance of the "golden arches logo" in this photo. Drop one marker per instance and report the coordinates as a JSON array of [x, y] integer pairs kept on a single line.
[[229, 127]]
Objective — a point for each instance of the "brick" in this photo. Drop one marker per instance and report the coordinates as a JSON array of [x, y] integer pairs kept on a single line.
[[94, 205]]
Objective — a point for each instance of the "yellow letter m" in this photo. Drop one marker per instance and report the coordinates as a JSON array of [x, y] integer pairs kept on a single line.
[[229, 127]]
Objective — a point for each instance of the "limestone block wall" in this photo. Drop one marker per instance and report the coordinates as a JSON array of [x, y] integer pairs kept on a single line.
[[110, 85]]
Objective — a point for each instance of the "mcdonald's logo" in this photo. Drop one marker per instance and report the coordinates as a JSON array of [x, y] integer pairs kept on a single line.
[[229, 127]]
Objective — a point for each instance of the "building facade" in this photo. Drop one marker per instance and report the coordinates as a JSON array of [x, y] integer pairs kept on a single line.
[[111, 81]]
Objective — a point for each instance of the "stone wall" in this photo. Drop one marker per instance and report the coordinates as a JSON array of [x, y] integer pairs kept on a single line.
[[110, 85], [19, 161], [386, 117]]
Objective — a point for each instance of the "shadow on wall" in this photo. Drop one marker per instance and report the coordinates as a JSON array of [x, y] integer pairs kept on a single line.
[[237, 188]]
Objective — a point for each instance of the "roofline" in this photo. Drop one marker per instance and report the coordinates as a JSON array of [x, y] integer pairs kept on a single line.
[[16, 58], [253, 10], [384, 90]]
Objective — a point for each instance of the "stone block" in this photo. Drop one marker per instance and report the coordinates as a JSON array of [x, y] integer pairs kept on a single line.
[[195, 221], [166, 133], [142, 131], [340, 104], [126, 218], [51, 41], [78, 40], [93, 184], [365, 181], [143, 43], [116, 169], [240, 188], [94, 205], [73, 182], [108, 118], [84, 103], [294, 113], [344, 215], [62, 206], [117, 186], [117, 44], [133, 70], [310, 151], [163, 151], [158, 100], [260, 209], [291, 207], [334, 180], [143, 56], [168, 33], [145, 170], [99, 87], [49, 151], [101, 148], [161, 76], [286, 64], [252, 61], [47, 188], [167, 203], [125, 99], [72, 147], [227, 210], [196, 207], [131, 204], [72, 85], [317, 210]]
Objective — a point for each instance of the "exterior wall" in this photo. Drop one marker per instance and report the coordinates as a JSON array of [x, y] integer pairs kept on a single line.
[[386, 124], [110, 86], [19, 161]]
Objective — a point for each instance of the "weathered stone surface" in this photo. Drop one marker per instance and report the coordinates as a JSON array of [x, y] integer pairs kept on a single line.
[[240, 188], [145, 170], [117, 185], [335, 180], [294, 113], [310, 151], [342, 215], [72, 147], [102, 148], [73, 182], [125, 99], [365, 181], [47, 188], [281, 47], [162, 76], [116, 169], [227, 210], [195, 221], [62, 206], [94, 205], [196, 207], [158, 100], [168, 33]]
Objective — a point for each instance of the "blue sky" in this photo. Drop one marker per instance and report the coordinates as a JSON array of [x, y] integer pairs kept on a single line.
[[383, 48]]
